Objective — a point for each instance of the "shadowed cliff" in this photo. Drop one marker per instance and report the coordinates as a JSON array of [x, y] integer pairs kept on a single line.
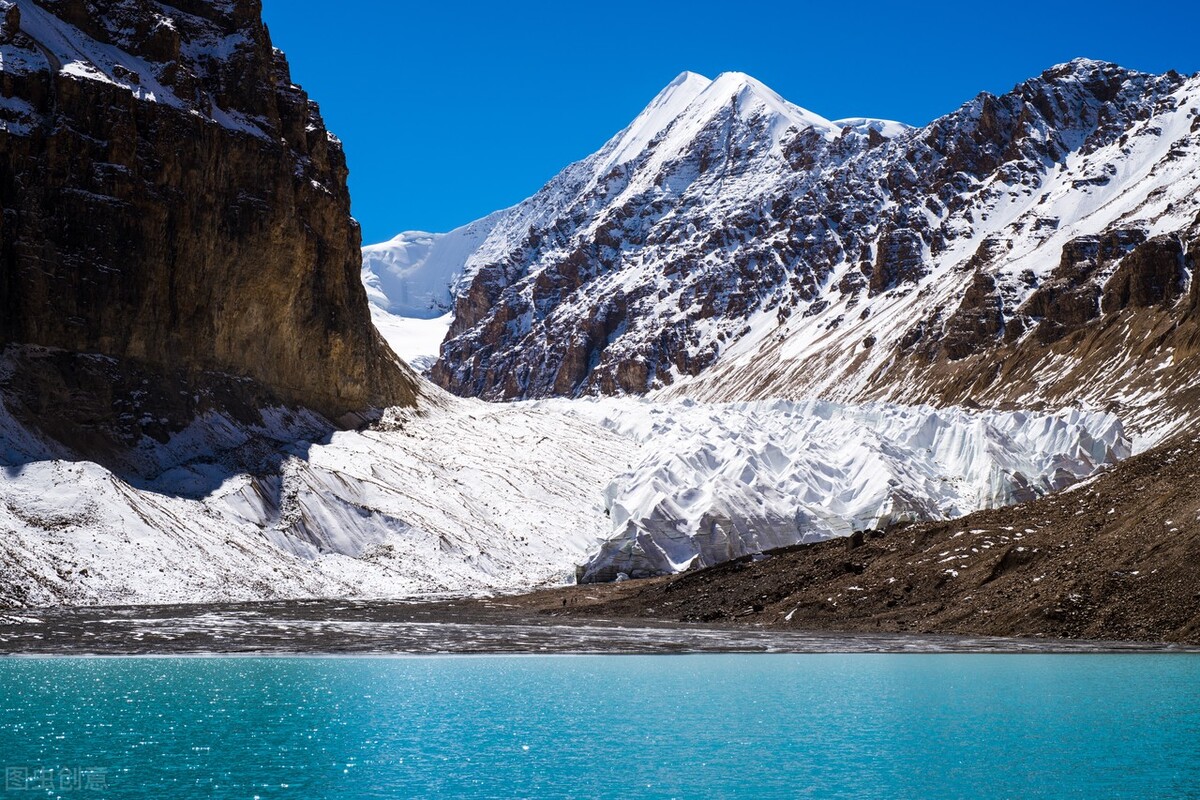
[[173, 203]]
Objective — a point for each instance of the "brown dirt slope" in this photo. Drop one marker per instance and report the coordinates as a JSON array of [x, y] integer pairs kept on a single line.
[[1118, 558]]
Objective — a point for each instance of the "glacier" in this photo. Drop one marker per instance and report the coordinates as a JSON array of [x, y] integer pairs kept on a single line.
[[464, 497], [725, 480]]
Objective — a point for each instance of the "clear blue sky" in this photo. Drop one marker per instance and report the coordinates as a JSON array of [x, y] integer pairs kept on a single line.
[[450, 110]]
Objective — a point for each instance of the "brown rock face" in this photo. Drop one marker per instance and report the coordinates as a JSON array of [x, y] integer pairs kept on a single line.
[[1193, 258], [1071, 299], [978, 320], [205, 230], [899, 259], [1154, 274]]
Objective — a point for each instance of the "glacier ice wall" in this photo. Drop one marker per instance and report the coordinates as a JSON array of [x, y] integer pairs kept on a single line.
[[719, 481]]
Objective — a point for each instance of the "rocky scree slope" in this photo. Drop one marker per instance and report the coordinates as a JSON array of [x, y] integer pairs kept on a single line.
[[1026, 249], [176, 235]]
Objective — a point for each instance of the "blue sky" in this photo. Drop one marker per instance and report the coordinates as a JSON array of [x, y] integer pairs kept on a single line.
[[450, 110]]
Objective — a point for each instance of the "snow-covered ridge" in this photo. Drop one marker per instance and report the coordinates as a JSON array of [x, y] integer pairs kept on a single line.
[[465, 496], [656, 148], [412, 281], [418, 274], [888, 128], [1014, 236], [60, 47], [658, 115]]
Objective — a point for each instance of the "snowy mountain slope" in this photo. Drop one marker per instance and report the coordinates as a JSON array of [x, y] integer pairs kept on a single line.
[[730, 245], [603, 210], [414, 339], [461, 498], [412, 281], [464, 496], [418, 274], [1076, 287]]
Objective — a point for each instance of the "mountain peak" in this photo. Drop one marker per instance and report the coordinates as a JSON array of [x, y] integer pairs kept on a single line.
[[733, 77], [658, 115], [753, 96], [686, 77], [1087, 69], [691, 100], [732, 84], [1083, 64]]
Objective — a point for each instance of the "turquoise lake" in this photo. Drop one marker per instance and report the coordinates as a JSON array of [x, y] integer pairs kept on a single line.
[[894, 726]]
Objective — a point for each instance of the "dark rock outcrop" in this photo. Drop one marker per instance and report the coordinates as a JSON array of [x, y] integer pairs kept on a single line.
[[1071, 296], [899, 259], [1154, 274], [172, 200], [978, 320]]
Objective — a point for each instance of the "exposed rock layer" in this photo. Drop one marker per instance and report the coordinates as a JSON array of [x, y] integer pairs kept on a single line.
[[171, 199]]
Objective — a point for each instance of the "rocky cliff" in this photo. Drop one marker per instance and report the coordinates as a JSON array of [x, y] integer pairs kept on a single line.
[[175, 225]]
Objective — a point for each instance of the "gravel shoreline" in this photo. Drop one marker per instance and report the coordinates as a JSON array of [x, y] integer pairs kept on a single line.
[[518, 625]]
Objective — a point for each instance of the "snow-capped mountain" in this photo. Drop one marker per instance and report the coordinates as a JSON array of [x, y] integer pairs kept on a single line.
[[182, 320], [730, 245]]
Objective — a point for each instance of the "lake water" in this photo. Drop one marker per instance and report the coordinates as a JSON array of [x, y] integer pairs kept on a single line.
[[895, 726]]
